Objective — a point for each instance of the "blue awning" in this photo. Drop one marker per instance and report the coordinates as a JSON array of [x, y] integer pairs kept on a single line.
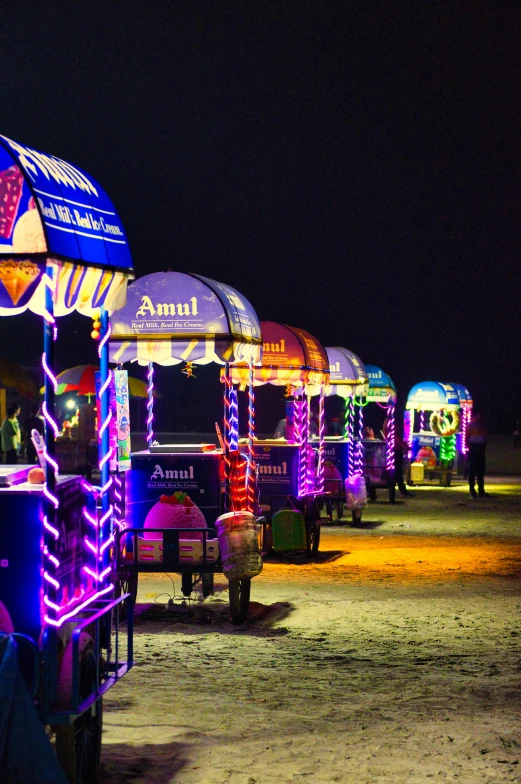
[[381, 385], [50, 207], [432, 396]]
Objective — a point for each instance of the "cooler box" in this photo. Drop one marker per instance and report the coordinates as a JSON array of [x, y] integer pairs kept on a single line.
[[417, 472], [288, 530]]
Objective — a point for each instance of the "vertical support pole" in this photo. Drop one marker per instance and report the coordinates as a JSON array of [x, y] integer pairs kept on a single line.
[[227, 465], [350, 434], [250, 471], [51, 530], [359, 460], [390, 437], [105, 524], [310, 455], [321, 434], [301, 441], [150, 404]]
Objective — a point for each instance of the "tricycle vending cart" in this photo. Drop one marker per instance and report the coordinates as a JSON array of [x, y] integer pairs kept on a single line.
[[374, 457], [62, 248], [465, 411], [431, 424], [348, 380], [177, 495], [289, 472]]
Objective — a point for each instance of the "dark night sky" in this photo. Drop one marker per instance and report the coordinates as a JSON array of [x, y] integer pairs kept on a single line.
[[352, 168]]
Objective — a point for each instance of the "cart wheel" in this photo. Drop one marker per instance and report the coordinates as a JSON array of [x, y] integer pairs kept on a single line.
[[207, 583], [239, 591], [356, 516], [312, 538], [78, 745], [187, 583], [126, 582]]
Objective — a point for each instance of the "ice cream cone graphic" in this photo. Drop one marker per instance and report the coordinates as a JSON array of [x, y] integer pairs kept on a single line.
[[17, 277]]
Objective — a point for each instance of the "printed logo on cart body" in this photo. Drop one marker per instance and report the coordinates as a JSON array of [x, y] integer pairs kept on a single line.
[[168, 473], [148, 308], [275, 348], [274, 469]]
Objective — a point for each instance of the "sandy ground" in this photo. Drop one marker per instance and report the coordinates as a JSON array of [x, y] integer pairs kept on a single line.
[[394, 657]]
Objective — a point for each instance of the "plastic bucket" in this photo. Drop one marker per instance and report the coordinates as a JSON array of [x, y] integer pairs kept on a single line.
[[239, 545], [356, 492]]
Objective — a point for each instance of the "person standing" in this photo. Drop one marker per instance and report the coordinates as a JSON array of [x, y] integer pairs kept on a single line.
[[34, 422], [11, 438], [477, 440]]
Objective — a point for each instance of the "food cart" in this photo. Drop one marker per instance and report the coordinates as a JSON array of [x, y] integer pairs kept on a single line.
[[62, 248], [348, 380], [176, 493], [375, 458], [291, 467], [431, 424]]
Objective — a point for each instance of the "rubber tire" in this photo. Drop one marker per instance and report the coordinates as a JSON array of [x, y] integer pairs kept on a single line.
[[126, 582], [312, 539], [187, 583], [207, 583], [78, 745], [356, 516], [239, 593]]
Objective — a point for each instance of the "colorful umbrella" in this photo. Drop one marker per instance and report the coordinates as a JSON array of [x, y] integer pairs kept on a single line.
[[13, 376], [81, 380]]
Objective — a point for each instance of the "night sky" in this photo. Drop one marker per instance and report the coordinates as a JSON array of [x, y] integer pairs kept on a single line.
[[352, 168]]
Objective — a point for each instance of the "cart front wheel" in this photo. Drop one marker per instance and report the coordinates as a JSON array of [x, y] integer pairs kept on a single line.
[[239, 591], [78, 745], [356, 516], [313, 538], [207, 583], [187, 583], [125, 583]]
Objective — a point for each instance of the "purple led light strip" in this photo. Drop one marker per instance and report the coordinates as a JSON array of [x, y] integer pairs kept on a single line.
[[321, 434], [391, 437], [150, 404]]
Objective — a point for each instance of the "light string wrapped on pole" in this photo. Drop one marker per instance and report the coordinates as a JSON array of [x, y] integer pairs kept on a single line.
[[250, 471], [310, 455], [104, 506], [359, 456], [350, 434], [51, 533], [390, 437], [301, 441], [321, 434], [150, 404]]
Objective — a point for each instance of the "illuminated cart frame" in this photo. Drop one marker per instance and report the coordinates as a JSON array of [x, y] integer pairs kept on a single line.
[[172, 318], [63, 248], [348, 380], [431, 425], [294, 359], [382, 392]]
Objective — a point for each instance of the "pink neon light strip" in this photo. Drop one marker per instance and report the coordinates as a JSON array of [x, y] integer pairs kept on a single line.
[[65, 618]]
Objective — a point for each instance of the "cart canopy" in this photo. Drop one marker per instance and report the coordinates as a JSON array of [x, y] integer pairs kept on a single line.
[[347, 374], [173, 317], [290, 356], [52, 212], [381, 385], [432, 396], [464, 396]]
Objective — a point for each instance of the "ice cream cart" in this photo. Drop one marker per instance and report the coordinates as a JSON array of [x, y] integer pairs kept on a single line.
[[291, 467], [431, 424], [348, 380], [176, 494], [62, 249], [375, 456]]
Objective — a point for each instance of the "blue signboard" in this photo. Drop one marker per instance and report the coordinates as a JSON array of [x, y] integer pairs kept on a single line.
[[380, 384], [49, 206], [173, 491], [432, 396]]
